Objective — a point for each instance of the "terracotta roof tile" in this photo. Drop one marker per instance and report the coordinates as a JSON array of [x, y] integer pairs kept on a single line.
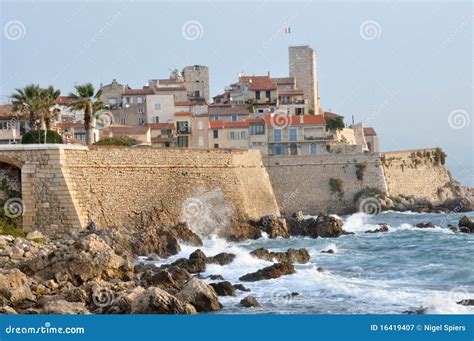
[[183, 113], [369, 131], [228, 124], [161, 125], [258, 82]]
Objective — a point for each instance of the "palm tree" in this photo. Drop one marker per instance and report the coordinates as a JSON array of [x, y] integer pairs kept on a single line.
[[27, 101], [85, 99], [48, 99]]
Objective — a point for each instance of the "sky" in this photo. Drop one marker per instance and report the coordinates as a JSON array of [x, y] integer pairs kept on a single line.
[[402, 67]]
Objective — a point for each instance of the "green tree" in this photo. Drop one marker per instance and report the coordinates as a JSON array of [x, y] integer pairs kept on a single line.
[[85, 99], [28, 102], [335, 123], [48, 99]]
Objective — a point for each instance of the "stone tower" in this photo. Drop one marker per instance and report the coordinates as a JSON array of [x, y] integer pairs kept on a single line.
[[302, 63], [196, 78]]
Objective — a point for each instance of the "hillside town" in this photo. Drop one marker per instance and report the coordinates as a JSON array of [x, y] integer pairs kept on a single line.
[[275, 115]]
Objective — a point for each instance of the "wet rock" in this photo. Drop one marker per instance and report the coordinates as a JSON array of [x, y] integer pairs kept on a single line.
[[419, 311], [195, 265], [466, 225], [157, 301], [466, 302], [458, 204], [320, 269], [328, 251], [382, 228], [425, 224], [172, 279], [63, 307], [291, 255], [274, 226], [14, 287], [239, 231], [197, 254], [249, 301], [182, 232], [216, 277], [223, 288], [240, 287], [200, 294], [222, 258], [322, 226], [274, 271], [155, 241]]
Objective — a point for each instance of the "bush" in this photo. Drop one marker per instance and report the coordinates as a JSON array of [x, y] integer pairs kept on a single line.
[[360, 169], [125, 141], [37, 137], [336, 186], [335, 123], [368, 192], [439, 156]]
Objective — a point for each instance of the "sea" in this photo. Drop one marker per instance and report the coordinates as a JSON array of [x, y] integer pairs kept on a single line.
[[401, 270]]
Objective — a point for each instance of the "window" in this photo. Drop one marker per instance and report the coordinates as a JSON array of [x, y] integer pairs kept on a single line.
[[216, 145], [156, 119], [183, 127], [299, 111], [215, 117], [233, 118], [200, 125], [268, 96], [201, 141], [276, 149], [231, 135], [112, 102], [313, 148], [277, 134], [293, 132], [141, 120], [258, 129], [123, 120], [139, 100], [243, 135], [128, 100], [257, 94], [165, 132], [215, 133], [140, 110], [157, 106], [197, 93]]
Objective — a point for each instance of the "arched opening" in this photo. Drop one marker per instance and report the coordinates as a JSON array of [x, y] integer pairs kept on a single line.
[[11, 203]]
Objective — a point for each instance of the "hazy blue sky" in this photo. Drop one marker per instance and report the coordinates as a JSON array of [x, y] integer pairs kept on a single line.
[[402, 67]]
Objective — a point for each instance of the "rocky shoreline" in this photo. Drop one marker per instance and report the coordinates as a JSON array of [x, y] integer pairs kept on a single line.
[[96, 271]]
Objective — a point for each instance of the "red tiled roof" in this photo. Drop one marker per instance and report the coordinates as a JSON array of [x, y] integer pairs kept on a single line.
[[145, 91], [228, 124], [68, 125], [284, 80], [183, 113], [258, 82], [64, 100], [369, 132], [255, 121], [132, 130], [183, 103], [6, 111], [228, 110], [161, 125], [332, 115], [283, 120]]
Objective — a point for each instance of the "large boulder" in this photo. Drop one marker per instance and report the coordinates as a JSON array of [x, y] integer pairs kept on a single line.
[[249, 301], [88, 258], [223, 288], [274, 226], [14, 287], [382, 228], [425, 225], [322, 226], [171, 279], [153, 240], [291, 256], [466, 225], [157, 301], [200, 294], [274, 271], [239, 231]]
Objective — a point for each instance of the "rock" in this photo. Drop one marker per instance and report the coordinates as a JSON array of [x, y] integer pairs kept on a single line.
[[419, 311], [222, 258], [328, 251], [155, 241], [249, 301], [200, 294], [240, 287], [458, 204], [216, 277], [197, 254], [323, 226], [424, 225], [191, 265], [223, 288], [239, 231], [382, 228], [157, 301], [466, 225], [36, 235], [320, 269], [454, 229], [274, 226], [172, 279], [63, 307], [274, 271], [466, 302], [88, 258], [290, 256], [182, 232], [14, 287], [7, 310]]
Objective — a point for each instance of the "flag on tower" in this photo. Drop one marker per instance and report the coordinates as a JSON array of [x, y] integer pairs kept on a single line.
[[287, 29]]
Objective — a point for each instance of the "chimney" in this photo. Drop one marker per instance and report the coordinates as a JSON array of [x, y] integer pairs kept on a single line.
[[268, 73]]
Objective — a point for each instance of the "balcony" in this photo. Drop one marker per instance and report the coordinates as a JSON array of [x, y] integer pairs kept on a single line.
[[319, 138], [183, 130]]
